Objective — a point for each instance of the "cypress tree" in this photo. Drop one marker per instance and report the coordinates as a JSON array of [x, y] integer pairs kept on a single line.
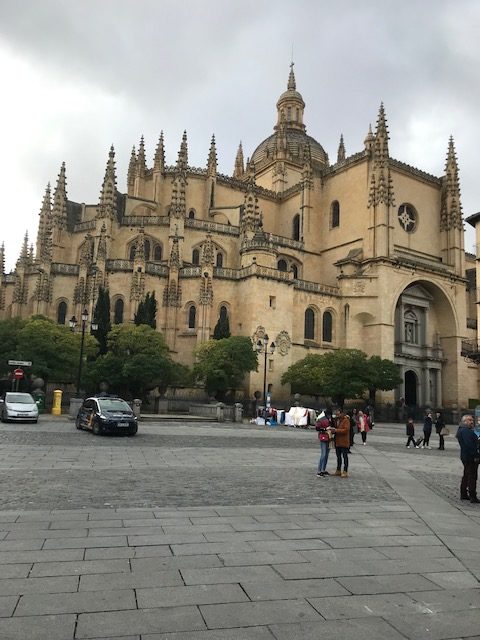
[[101, 316]]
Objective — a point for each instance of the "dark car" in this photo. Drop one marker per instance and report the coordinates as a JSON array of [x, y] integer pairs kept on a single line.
[[107, 415]]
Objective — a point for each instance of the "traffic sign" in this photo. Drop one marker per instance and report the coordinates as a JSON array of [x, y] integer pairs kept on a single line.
[[18, 374], [20, 363]]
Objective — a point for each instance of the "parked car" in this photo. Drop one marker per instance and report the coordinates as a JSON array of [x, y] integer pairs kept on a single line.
[[107, 415], [20, 407]]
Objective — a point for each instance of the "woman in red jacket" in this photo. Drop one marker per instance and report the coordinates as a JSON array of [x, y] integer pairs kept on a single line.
[[342, 442]]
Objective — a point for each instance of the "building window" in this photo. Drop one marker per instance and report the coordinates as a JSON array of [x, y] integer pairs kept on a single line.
[[282, 265], [157, 253], [223, 313], [296, 227], [309, 331], [191, 214], [132, 252], [289, 113], [410, 325], [118, 311], [192, 317], [196, 257], [61, 312], [407, 217], [219, 260], [294, 270], [327, 324], [273, 302], [335, 214]]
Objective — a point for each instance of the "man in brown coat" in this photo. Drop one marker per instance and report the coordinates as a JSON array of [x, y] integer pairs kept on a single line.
[[342, 442]]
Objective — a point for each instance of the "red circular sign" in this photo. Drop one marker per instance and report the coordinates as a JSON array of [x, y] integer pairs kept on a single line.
[[18, 374]]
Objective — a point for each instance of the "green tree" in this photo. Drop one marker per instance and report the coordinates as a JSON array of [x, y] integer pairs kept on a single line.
[[53, 349], [147, 311], [222, 328], [222, 364], [306, 376], [9, 330], [383, 374], [137, 361], [101, 316]]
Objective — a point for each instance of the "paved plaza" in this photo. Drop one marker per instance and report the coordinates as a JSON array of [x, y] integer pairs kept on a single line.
[[203, 531]]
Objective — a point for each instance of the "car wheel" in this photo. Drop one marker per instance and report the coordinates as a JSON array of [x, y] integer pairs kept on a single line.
[[96, 428], [78, 424], [133, 431]]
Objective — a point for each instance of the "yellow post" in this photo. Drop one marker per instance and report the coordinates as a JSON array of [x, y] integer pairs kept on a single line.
[[57, 402]]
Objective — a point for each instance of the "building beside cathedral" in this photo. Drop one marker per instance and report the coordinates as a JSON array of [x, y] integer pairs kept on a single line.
[[364, 252]]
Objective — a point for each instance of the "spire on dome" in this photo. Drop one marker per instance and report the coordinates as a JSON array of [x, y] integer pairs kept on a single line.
[[132, 169], [108, 205], [369, 139], [59, 212], [159, 158], [451, 208], [341, 150], [45, 221], [239, 170], [212, 158], [291, 86]]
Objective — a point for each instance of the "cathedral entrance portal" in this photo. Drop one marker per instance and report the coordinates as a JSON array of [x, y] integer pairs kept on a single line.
[[410, 389]]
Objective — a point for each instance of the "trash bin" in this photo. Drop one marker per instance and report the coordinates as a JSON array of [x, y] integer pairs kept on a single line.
[[39, 397], [57, 402], [136, 405]]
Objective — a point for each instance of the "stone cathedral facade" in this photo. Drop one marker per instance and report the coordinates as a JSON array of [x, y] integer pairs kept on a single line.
[[365, 252]]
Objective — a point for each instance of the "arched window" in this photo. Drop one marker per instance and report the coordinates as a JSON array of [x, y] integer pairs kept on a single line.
[[289, 113], [294, 270], [132, 252], [297, 113], [118, 311], [223, 313], [191, 214], [196, 257], [296, 227], [282, 265], [192, 316], [157, 253], [147, 249], [61, 312], [327, 325], [410, 323], [309, 332], [219, 260], [335, 214]]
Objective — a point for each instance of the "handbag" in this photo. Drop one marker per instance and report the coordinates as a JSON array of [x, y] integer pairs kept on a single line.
[[324, 437], [444, 431]]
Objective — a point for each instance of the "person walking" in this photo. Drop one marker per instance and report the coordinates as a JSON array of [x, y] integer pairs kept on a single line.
[[342, 441], [325, 435], [410, 428], [439, 425], [352, 416], [363, 426], [427, 430], [470, 457]]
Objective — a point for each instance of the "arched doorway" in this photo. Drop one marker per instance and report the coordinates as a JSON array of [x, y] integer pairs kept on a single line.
[[411, 388]]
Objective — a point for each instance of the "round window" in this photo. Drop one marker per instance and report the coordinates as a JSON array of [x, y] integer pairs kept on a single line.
[[407, 217]]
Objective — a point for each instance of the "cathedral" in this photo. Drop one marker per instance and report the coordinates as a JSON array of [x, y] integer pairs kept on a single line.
[[363, 252]]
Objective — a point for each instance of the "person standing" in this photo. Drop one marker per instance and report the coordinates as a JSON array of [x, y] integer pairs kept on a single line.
[[469, 455], [410, 428], [362, 423], [439, 425], [324, 429], [342, 441], [427, 430], [352, 416]]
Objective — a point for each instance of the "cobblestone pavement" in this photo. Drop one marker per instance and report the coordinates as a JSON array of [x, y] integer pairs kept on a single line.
[[223, 532]]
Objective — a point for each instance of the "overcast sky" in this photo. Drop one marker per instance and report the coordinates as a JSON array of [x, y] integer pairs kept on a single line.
[[79, 76]]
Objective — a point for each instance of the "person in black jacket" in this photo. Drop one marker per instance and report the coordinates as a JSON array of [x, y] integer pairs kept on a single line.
[[439, 425], [427, 430], [469, 455]]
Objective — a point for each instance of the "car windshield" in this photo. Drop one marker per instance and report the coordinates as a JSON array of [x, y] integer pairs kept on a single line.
[[113, 404], [19, 398]]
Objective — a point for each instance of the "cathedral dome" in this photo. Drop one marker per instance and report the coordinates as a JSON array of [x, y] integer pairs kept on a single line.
[[290, 140]]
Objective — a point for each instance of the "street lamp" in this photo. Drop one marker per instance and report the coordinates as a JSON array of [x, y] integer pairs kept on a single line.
[[262, 347], [94, 326]]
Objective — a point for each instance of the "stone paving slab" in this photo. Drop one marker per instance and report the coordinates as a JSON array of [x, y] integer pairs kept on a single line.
[[133, 580], [386, 584], [41, 604], [438, 626], [246, 633], [293, 589], [20, 586], [187, 595], [45, 627], [360, 629], [83, 567]]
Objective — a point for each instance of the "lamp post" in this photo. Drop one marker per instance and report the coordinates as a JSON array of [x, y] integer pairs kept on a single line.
[[73, 323], [262, 347]]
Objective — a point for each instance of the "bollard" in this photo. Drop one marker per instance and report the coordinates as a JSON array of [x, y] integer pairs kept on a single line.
[[136, 405], [238, 412], [57, 402]]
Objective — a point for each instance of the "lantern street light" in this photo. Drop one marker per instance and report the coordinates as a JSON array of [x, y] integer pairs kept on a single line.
[[262, 347], [94, 326]]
